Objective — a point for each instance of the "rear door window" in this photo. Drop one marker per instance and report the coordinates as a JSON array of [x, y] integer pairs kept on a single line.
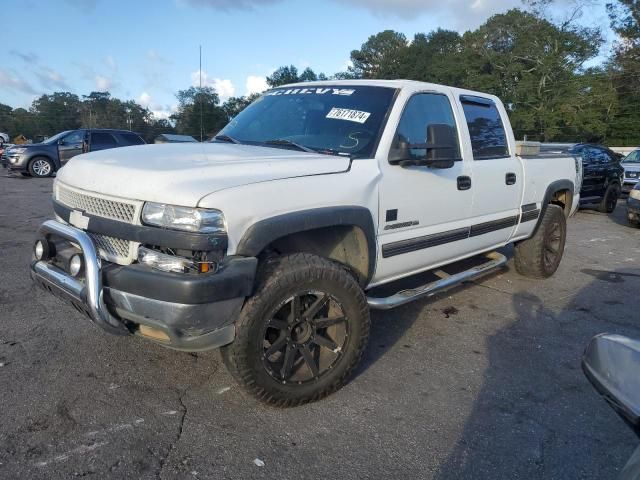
[[131, 139], [102, 140], [488, 136]]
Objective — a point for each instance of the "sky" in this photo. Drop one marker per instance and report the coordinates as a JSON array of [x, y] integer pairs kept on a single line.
[[147, 50]]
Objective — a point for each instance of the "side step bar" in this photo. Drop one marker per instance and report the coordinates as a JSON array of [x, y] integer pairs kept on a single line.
[[495, 260]]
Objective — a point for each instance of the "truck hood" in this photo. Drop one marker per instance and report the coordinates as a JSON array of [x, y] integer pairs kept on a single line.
[[631, 167], [182, 174]]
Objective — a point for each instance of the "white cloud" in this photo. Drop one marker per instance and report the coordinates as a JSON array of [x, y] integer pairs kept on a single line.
[[464, 13], [255, 84], [224, 87], [158, 110], [103, 83], [144, 99], [50, 78], [226, 5], [9, 79]]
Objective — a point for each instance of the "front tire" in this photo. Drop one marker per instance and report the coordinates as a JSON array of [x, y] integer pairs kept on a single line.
[[610, 199], [540, 255], [299, 338], [40, 167]]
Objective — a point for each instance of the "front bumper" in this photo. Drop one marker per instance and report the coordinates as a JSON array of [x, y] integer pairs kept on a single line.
[[180, 311], [14, 162], [629, 184], [633, 210]]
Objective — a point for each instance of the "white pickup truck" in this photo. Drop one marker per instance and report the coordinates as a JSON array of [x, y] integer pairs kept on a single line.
[[269, 241]]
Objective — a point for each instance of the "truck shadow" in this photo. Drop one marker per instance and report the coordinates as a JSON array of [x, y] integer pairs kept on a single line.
[[536, 416], [388, 327]]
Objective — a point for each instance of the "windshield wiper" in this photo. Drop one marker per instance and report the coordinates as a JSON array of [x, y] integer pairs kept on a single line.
[[287, 143], [227, 138]]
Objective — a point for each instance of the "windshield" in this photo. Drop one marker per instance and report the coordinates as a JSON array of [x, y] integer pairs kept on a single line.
[[633, 157], [56, 137], [329, 119]]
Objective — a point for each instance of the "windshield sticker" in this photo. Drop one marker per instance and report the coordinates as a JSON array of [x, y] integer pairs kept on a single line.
[[312, 91], [350, 115]]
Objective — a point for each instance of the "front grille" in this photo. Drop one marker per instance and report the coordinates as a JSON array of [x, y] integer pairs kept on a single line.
[[101, 207], [117, 250], [113, 249]]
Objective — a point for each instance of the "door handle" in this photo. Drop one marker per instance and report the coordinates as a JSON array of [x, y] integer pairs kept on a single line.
[[464, 183], [510, 178]]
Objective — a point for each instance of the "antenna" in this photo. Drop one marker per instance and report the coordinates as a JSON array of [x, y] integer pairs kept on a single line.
[[200, 97]]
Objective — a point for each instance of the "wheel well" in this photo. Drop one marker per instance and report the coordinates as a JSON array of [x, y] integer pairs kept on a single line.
[[564, 199], [346, 244]]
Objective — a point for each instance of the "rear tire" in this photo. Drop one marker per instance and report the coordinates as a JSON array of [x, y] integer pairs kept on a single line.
[[540, 255], [610, 199], [302, 334], [41, 167]]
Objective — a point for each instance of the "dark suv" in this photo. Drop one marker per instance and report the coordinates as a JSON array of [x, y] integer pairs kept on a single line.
[[42, 159], [602, 180]]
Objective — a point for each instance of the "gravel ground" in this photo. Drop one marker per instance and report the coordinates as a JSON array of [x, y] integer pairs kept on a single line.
[[483, 382]]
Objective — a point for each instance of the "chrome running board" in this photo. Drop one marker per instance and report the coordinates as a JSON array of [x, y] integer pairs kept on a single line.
[[495, 260]]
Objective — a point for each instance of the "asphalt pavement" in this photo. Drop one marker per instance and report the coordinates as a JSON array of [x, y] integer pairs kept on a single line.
[[483, 382]]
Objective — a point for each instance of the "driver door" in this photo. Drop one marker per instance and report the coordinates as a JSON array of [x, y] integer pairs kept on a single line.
[[71, 145], [424, 212]]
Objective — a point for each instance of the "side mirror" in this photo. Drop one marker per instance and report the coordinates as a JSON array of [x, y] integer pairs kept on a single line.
[[61, 142], [611, 363], [441, 150]]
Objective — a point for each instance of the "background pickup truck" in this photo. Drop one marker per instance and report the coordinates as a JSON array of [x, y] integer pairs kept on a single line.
[[271, 241]]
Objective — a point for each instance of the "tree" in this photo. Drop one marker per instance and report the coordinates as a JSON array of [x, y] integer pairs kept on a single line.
[[196, 104], [624, 69], [235, 105], [289, 74], [533, 66], [434, 57], [283, 76], [380, 56]]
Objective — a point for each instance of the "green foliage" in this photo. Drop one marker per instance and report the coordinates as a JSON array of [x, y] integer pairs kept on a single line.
[[235, 105], [381, 56], [289, 74], [196, 105]]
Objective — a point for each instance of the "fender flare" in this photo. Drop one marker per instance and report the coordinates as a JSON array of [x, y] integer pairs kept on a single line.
[[262, 233], [552, 189]]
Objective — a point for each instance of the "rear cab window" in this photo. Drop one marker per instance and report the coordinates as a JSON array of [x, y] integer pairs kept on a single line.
[[486, 129]]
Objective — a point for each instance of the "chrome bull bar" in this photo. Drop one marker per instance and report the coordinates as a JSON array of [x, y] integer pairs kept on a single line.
[[89, 293]]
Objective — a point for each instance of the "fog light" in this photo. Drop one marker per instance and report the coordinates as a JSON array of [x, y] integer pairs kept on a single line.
[[75, 265], [38, 250]]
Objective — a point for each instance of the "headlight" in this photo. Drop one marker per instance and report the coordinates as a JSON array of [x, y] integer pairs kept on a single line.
[[198, 220], [635, 194], [11, 151]]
